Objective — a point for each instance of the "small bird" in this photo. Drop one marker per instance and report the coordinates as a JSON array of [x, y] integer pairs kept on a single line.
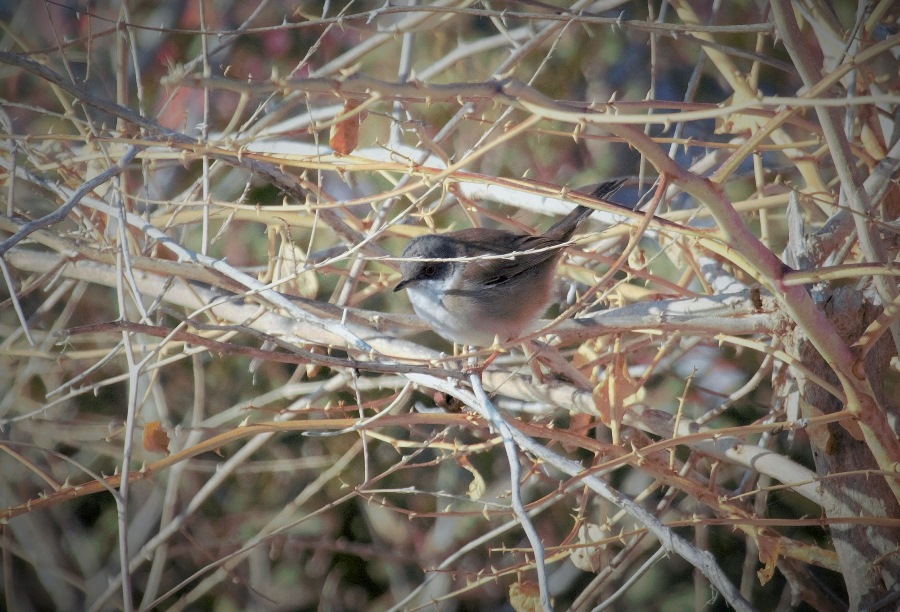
[[478, 301]]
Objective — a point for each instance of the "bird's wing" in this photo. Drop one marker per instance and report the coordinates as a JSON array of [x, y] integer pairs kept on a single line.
[[495, 271]]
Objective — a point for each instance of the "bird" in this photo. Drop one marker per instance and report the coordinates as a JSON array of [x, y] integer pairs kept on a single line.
[[480, 286]]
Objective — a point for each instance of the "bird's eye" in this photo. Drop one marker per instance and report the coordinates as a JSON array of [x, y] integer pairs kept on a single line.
[[429, 270]]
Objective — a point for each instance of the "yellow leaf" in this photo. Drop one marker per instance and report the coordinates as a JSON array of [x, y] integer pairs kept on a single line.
[[741, 123], [768, 556], [477, 487], [525, 597]]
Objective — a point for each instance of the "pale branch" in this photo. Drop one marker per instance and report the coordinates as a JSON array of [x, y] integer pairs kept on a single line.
[[702, 560], [729, 314]]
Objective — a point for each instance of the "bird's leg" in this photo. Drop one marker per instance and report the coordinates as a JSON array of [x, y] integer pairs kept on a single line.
[[477, 368]]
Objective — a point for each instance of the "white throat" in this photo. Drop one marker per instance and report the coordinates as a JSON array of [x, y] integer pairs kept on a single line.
[[454, 326]]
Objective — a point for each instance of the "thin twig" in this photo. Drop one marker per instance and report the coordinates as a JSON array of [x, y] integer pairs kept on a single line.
[[485, 407], [62, 212]]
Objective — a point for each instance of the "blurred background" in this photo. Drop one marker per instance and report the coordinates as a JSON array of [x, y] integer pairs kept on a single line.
[[296, 147]]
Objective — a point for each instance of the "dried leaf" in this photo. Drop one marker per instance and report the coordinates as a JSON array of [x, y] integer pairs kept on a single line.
[[288, 262], [739, 123], [525, 596], [768, 556], [156, 440], [345, 134], [587, 558], [616, 390], [477, 487]]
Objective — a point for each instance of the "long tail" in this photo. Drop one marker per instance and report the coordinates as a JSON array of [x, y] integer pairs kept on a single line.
[[607, 188], [565, 227]]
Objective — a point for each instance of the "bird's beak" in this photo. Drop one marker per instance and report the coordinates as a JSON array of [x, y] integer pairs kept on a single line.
[[401, 285]]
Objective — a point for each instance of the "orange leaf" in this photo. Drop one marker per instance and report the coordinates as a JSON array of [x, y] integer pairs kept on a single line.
[[345, 134], [617, 388], [156, 440]]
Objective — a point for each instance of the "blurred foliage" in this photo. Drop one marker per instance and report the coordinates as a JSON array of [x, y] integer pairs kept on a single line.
[[296, 520]]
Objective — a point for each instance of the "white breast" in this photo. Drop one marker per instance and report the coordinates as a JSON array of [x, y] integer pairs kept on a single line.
[[453, 326]]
